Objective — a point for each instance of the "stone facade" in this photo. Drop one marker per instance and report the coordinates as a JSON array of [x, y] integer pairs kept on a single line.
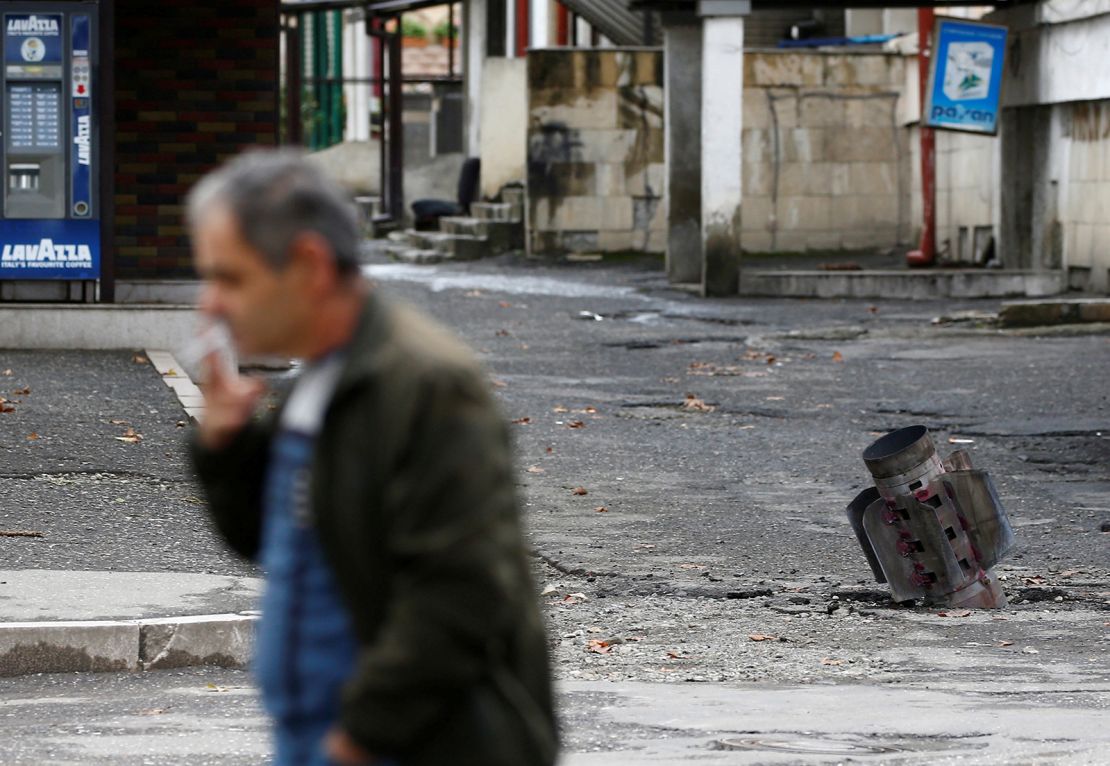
[[967, 198], [826, 158], [596, 178], [1085, 218]]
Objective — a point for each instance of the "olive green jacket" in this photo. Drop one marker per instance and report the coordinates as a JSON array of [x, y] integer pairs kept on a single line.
[[414, 503]]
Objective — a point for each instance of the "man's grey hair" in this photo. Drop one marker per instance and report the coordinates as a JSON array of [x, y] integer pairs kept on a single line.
[[275, 195]]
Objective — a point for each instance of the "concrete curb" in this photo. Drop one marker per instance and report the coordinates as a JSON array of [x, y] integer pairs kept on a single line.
[[174, 376], [223, 640], [1063, 311]]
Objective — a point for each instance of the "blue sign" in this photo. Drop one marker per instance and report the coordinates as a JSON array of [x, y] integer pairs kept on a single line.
[[31, 39], [49, 249], [965, 79], [81, 152]]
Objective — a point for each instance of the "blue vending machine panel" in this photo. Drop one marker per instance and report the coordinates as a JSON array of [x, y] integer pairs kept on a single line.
[[49, 206]]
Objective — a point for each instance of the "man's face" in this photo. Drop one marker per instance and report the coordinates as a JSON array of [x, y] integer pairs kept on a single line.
[[260, 306]]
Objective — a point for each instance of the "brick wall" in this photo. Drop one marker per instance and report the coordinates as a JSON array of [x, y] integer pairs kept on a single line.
[[195, 84], [596, 177]]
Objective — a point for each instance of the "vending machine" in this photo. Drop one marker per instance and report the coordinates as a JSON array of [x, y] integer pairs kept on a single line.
[[50, 211]]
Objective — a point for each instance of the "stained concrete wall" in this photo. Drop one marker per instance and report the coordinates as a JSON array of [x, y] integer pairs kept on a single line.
[[504, 122], [1086, 190], [596, 174], [967, 199], [826, 157]]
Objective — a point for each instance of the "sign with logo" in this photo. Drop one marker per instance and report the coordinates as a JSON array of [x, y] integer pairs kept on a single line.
[[33, 38], [965, 76], [49, 249]]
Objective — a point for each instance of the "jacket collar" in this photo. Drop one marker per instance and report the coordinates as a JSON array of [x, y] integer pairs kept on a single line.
[[366, 351]]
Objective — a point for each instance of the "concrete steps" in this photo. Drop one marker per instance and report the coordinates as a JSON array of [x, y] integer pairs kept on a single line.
[[491, 229]]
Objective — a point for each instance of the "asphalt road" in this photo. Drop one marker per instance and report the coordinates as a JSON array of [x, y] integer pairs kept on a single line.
[[718, 442]]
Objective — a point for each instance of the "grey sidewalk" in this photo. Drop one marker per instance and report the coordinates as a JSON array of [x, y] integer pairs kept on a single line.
[[111, 563], [55, 621]]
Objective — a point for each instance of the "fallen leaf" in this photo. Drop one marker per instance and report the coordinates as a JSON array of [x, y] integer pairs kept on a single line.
[[559, 408], [473, 294], [775, 398], [118, 422], [140, 359], [181, 424], [598, 646], [549, 450], [1035, 580], [215, 688], [25, 391], [32, 437], [691, 566], [576, 424], [601, 509], [7, 373], [1005, 643], [697, 405], [170, 373], [153, 711], [522, 421], [837, 356], [535, 469], [5, 407], [761, 637], [830, 661], [1071, 572], [497, 383], [590, 410], [130, 436], [548, 590], [20, 533], [502, 333], [674, 655], [580, 491], [873, 309], [957, 613], [505, 304]]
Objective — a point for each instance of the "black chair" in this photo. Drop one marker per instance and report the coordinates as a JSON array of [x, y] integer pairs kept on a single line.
[[427, 212]]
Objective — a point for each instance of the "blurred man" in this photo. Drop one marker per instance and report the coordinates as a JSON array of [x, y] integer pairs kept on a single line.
[[399, 623]]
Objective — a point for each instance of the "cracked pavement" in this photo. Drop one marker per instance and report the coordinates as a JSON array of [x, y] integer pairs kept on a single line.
[[709, 561]]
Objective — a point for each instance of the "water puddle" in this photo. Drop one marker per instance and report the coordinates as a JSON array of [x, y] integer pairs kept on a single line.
[[438, 280]]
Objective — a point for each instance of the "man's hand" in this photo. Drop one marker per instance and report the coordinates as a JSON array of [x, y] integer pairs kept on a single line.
[[345, 751], [229, 401]]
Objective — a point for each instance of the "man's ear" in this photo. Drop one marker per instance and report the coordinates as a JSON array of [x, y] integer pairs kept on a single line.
[[312, 262]]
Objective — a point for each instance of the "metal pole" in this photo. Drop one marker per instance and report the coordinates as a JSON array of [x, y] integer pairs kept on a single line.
[[380, 41], [926, 255], [396, 129], [523, 27], [294, 81], [451, 39]]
